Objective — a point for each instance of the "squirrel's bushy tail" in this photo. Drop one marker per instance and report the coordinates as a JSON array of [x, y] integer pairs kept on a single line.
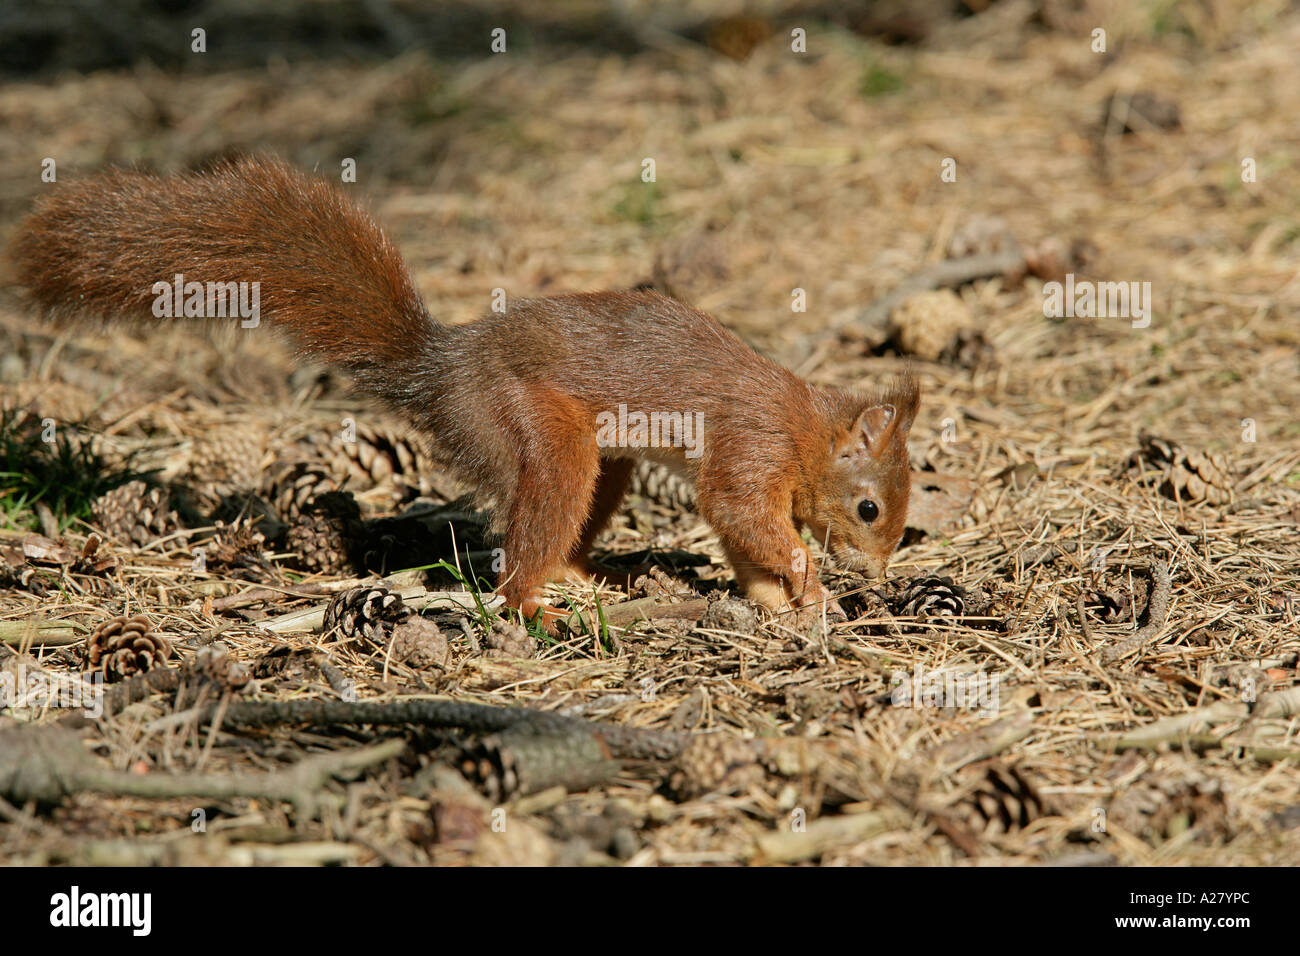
[[327, 274]]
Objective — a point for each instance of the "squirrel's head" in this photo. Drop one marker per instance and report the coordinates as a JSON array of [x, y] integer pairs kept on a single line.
[[858, 504]]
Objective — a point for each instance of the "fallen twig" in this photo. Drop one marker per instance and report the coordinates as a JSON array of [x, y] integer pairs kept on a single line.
[[1157, 612], [42, 633], [1280, 704], [948, 274]]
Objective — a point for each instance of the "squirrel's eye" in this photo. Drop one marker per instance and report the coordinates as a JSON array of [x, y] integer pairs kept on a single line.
[[868, 510]]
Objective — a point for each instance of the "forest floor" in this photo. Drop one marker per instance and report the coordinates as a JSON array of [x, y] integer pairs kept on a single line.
[[1077, 460]]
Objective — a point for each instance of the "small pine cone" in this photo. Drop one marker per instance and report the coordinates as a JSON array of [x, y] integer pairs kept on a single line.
[[657, 483], [508, 639], [714, 763], [1004, 801], [296, 485], [931, 596], [936, 326], [237, 545], [730, 614], [366, 613], [226, 461], [136, 513], [1115, 606], [328, 534], [123, 646], [418, 642], [1191, 477], [1199, 476]]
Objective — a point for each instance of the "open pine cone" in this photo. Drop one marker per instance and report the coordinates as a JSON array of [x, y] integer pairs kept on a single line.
[[135, 513], [124, 646], [366, 613], [294, 486], [657, 483], [1003, 801], [931, 596], [379, 456], [1191, 477]]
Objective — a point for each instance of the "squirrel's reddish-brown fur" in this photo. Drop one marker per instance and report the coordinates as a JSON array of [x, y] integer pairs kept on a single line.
[[513, 399]]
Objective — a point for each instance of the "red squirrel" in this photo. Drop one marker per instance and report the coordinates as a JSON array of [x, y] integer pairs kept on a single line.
[[542, 406]]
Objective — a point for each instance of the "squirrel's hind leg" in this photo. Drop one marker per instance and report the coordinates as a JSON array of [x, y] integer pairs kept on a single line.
[[611, 485], [548, 507]]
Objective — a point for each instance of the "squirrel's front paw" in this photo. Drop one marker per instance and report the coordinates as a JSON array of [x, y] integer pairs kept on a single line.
[[809, 605]]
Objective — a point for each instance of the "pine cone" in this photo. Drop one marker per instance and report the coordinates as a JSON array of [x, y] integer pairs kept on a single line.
[[123, 646], [657, 483], [328, 535], [238, 545], [135, 513], [937, 326], [508, 639], [380, 455], [296, 485], [931, 596], [226, 461], [713, 763], [366, 613], [418, 642], [1004, 801], [1191, 477], [730, 614]]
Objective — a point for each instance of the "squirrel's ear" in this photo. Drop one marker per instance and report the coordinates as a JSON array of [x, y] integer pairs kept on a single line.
[[887, 422], [873, 428]]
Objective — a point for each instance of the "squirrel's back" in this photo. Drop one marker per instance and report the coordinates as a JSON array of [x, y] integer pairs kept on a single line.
[[330, 278]]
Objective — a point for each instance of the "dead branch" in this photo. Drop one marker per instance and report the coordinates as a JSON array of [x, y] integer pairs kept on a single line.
[[626, 743], [46, 764]]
